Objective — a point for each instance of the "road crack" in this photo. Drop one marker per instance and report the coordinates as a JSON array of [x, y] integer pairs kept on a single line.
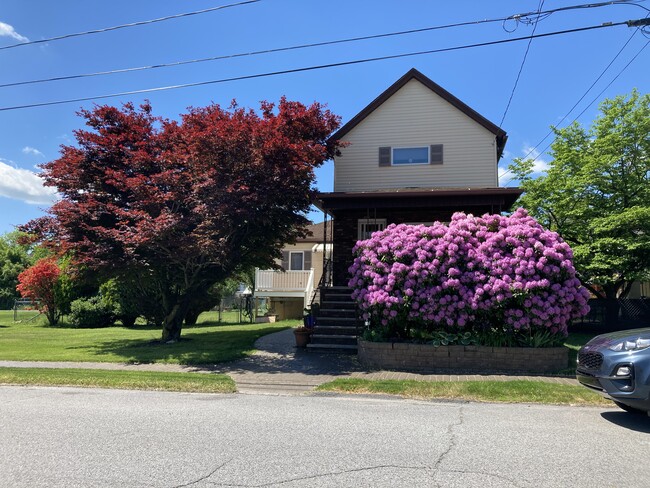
[[324, 475], [203, 478], [453, 443]]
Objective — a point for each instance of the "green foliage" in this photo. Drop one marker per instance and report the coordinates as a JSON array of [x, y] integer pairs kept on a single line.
[[14, 259], [444, 338], [90, 313], [596, 194], [379, 334], [538, 338]]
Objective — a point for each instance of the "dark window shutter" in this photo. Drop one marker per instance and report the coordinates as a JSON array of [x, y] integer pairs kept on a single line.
[[307, 261], [384, 156], [285, 260], [435, 154]]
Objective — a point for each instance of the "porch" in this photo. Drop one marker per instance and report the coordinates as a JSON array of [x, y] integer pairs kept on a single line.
[[293, 285]]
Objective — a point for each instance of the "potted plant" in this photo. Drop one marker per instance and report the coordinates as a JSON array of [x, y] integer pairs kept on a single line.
[[303, 333]]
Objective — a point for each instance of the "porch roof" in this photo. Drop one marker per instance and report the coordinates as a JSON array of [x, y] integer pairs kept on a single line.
[[503, 198]]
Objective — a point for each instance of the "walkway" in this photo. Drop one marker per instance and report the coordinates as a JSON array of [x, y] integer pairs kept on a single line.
[[279, 368]]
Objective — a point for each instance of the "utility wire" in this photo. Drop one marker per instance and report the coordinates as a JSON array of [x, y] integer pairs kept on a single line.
[[312, 68], [254, 53], [518, 17], [132, 24], [523, 62], [596, 98], [602, 73]]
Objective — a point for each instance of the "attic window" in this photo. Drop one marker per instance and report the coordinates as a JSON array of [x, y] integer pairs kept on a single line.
[[411, 155]]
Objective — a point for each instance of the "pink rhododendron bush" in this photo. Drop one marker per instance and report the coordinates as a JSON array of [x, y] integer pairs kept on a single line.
[[505, 280]]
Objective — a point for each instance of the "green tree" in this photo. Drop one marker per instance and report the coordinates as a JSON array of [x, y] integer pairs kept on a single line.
[[15, 258], [596, 194]]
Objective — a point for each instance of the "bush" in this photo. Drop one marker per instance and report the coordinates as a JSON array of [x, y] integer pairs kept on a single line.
[[91, 312], [506, 274]]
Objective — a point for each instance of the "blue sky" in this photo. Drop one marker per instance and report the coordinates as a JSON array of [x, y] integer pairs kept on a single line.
[[557, 72]]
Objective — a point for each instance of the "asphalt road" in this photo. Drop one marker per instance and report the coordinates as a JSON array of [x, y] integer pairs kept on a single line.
[[68, 437]]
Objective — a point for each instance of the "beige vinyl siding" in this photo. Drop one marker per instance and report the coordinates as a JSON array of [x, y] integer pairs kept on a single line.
[[413, 117], [316, 257]]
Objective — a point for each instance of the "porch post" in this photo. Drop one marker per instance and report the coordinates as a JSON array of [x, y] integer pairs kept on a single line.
[[324, 247]]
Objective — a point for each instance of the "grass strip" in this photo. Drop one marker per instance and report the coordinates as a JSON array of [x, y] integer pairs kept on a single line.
[[124, 380], [515, 391]]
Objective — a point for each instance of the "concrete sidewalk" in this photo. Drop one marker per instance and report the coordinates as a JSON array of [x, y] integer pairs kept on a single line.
[[279, 368]]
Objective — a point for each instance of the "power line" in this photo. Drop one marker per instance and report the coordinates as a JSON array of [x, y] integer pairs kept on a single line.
[[597, 96], [602, 73], [523, 62], [132, 24], [312, 68], [518, 17]]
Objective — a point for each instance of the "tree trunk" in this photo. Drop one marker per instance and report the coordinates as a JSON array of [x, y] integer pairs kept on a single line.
[[173, 323], [192, 316]]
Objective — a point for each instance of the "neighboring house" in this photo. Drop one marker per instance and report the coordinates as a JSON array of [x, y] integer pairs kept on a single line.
[[291, 290], [416, 154]]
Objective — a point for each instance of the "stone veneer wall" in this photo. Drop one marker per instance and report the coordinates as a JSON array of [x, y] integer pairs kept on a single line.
[[424, 357]]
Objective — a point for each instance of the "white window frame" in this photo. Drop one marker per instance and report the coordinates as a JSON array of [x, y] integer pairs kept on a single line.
[[302, 265], [362, 223], [392, 155]]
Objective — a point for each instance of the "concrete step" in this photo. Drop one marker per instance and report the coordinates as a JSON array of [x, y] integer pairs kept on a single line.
[[342, 297], [337, 312], [345, 321], [347, 304], [333, 348], [339, 339], [335, 330]]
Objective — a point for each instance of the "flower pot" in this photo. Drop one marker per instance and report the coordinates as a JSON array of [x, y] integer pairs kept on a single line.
[[302, 337]]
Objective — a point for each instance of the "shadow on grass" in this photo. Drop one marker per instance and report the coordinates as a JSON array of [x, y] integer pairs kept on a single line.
[[194, 348]]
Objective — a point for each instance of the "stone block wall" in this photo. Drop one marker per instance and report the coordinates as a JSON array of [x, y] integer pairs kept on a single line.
[[424, 357]]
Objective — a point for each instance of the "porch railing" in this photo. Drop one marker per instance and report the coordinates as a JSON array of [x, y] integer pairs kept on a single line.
[[272, 280], [268, 280]]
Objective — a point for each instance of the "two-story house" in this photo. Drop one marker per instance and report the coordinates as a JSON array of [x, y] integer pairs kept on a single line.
[[416, 154]]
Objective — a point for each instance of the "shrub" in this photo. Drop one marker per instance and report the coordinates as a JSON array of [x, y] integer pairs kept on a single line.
[[91, 312], [491, 272]]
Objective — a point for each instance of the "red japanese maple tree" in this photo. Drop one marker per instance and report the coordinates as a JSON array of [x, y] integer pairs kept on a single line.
[[187, 203], [39, 282]]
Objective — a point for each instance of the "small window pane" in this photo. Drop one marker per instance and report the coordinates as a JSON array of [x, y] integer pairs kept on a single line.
[[296, 261], [411, 155], [366, 228]]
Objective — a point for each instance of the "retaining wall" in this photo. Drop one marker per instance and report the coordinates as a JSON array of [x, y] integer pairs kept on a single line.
[[424, 357]]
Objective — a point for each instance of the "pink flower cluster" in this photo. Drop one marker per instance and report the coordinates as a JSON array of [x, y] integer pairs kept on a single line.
[[489, 270]]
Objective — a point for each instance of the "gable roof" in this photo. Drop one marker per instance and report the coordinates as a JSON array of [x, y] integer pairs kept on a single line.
[[314, 233], [500, 134]]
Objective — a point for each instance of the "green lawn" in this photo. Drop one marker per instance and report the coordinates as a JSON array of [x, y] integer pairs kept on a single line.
[[207, 342], [129, 380], [516, 391]]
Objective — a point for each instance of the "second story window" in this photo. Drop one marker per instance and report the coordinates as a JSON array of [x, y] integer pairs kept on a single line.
[[296, 261], [411, 155], [400, 156]]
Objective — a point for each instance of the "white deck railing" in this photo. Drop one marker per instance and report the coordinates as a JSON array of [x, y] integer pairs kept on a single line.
[[277, 282], [271, 280]]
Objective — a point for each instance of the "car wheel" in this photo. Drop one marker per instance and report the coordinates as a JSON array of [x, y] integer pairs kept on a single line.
[[627, 408]]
